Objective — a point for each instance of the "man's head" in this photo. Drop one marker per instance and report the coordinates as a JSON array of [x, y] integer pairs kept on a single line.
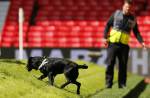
[[127, 7]]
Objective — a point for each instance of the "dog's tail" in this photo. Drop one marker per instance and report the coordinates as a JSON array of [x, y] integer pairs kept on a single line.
[[82, 66]]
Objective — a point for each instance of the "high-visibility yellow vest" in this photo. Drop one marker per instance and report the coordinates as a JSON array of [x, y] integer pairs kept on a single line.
[[117, 36]]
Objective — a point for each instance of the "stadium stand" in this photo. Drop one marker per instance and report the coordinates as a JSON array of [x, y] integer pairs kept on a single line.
[[68, 23], [3, 12]]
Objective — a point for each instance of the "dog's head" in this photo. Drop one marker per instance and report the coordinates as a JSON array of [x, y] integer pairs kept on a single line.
[[34, 63]]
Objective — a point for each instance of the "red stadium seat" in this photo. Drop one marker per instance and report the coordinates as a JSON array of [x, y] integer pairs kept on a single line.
[[75, 23]]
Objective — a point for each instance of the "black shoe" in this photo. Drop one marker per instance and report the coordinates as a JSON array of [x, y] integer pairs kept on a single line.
[[108, 86], [122, 85]]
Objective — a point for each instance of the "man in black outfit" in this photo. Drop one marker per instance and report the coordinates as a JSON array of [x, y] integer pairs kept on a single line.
[[121, 23]]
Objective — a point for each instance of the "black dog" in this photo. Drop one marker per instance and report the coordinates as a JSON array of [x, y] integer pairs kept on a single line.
[[52, 66]]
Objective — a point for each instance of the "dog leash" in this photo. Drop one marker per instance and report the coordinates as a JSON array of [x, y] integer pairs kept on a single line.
[[43, 63]]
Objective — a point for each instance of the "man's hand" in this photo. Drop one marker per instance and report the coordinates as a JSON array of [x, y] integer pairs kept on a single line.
[[144, 46], [105, 41]]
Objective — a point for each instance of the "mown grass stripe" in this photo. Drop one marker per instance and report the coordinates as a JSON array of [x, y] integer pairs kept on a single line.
[[115, 92]]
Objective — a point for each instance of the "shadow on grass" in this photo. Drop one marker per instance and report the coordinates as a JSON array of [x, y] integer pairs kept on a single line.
[[13, 61], [135, 93]]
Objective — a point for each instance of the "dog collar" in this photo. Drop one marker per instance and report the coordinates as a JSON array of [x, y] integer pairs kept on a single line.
[[43, 63]]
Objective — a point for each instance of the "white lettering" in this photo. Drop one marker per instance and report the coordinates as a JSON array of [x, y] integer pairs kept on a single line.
[[17, 54], [56, 53], [140, 61], [102, 58], [80, 54], [36, 52]]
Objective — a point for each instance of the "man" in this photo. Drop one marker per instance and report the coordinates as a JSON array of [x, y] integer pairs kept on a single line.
[[121, 23]]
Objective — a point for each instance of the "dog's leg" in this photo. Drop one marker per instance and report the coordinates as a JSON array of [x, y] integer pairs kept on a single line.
[[42, 77], [51, 78], [65, 84], [78, 86]]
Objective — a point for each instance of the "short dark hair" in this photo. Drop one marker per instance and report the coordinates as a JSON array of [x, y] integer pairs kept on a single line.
[[128, 1]]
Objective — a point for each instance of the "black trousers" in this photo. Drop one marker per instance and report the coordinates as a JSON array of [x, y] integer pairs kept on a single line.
[[120, 51]]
